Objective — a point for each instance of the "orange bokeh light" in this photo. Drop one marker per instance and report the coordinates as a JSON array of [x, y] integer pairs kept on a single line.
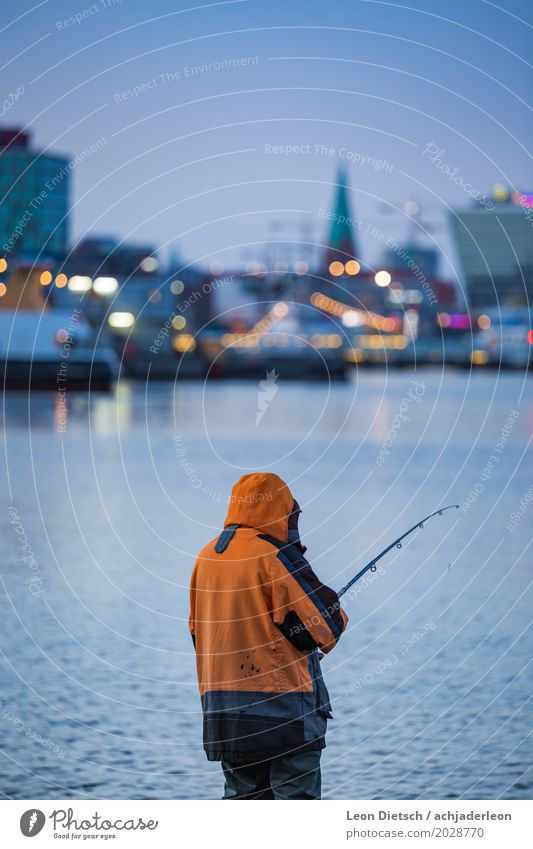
[[352, 267], [336, 268]]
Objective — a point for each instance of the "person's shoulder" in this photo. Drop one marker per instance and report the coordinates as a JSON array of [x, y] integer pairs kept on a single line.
[[245, 542], [208, 551], [285, 550]]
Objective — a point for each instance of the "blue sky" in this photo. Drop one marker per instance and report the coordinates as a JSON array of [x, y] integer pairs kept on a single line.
[[190, 160]]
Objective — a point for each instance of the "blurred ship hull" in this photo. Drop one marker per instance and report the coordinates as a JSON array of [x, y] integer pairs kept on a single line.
[[296, 359], [288, 368], [97, 373], [53, 349]]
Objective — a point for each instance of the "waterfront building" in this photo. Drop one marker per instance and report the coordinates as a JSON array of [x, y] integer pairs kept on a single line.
[[494, 244], [35, 188]]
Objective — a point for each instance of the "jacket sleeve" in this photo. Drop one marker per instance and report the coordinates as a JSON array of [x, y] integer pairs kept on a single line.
[[307, 612], [192, 629]]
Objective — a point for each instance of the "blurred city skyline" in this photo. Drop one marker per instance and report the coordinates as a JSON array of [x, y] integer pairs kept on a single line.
[[273, 237], [191, 114]]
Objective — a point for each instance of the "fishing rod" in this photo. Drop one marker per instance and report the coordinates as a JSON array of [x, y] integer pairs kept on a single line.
[[397, 543]]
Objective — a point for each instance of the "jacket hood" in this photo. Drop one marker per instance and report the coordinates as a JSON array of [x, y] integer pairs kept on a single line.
[[262, 501]]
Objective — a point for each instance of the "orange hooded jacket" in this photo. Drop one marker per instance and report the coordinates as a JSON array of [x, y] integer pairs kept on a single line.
[[258, 612]]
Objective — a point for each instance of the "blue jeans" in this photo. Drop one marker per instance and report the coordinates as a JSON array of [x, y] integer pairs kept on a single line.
[[294, 776]]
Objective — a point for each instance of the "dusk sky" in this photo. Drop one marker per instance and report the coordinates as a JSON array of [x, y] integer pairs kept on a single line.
[[188, 161]]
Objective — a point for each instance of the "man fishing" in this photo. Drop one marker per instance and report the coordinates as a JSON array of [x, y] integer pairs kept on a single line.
[[258, 615]]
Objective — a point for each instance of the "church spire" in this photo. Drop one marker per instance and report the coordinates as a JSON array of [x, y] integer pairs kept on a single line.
[[342, 245]]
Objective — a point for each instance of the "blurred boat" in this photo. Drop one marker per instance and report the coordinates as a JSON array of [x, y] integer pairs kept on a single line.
[[176, 358], [283, 340], [52, 350], [46, 348], [504, 338], [399, 350]]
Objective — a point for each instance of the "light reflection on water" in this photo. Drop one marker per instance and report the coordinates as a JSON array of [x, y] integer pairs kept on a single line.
[[430, 685]]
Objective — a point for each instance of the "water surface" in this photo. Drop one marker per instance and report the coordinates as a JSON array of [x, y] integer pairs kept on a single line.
[[430, 686]]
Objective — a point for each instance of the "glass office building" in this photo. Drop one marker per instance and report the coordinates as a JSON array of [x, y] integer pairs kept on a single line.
[[494, 245], [34, 192]]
